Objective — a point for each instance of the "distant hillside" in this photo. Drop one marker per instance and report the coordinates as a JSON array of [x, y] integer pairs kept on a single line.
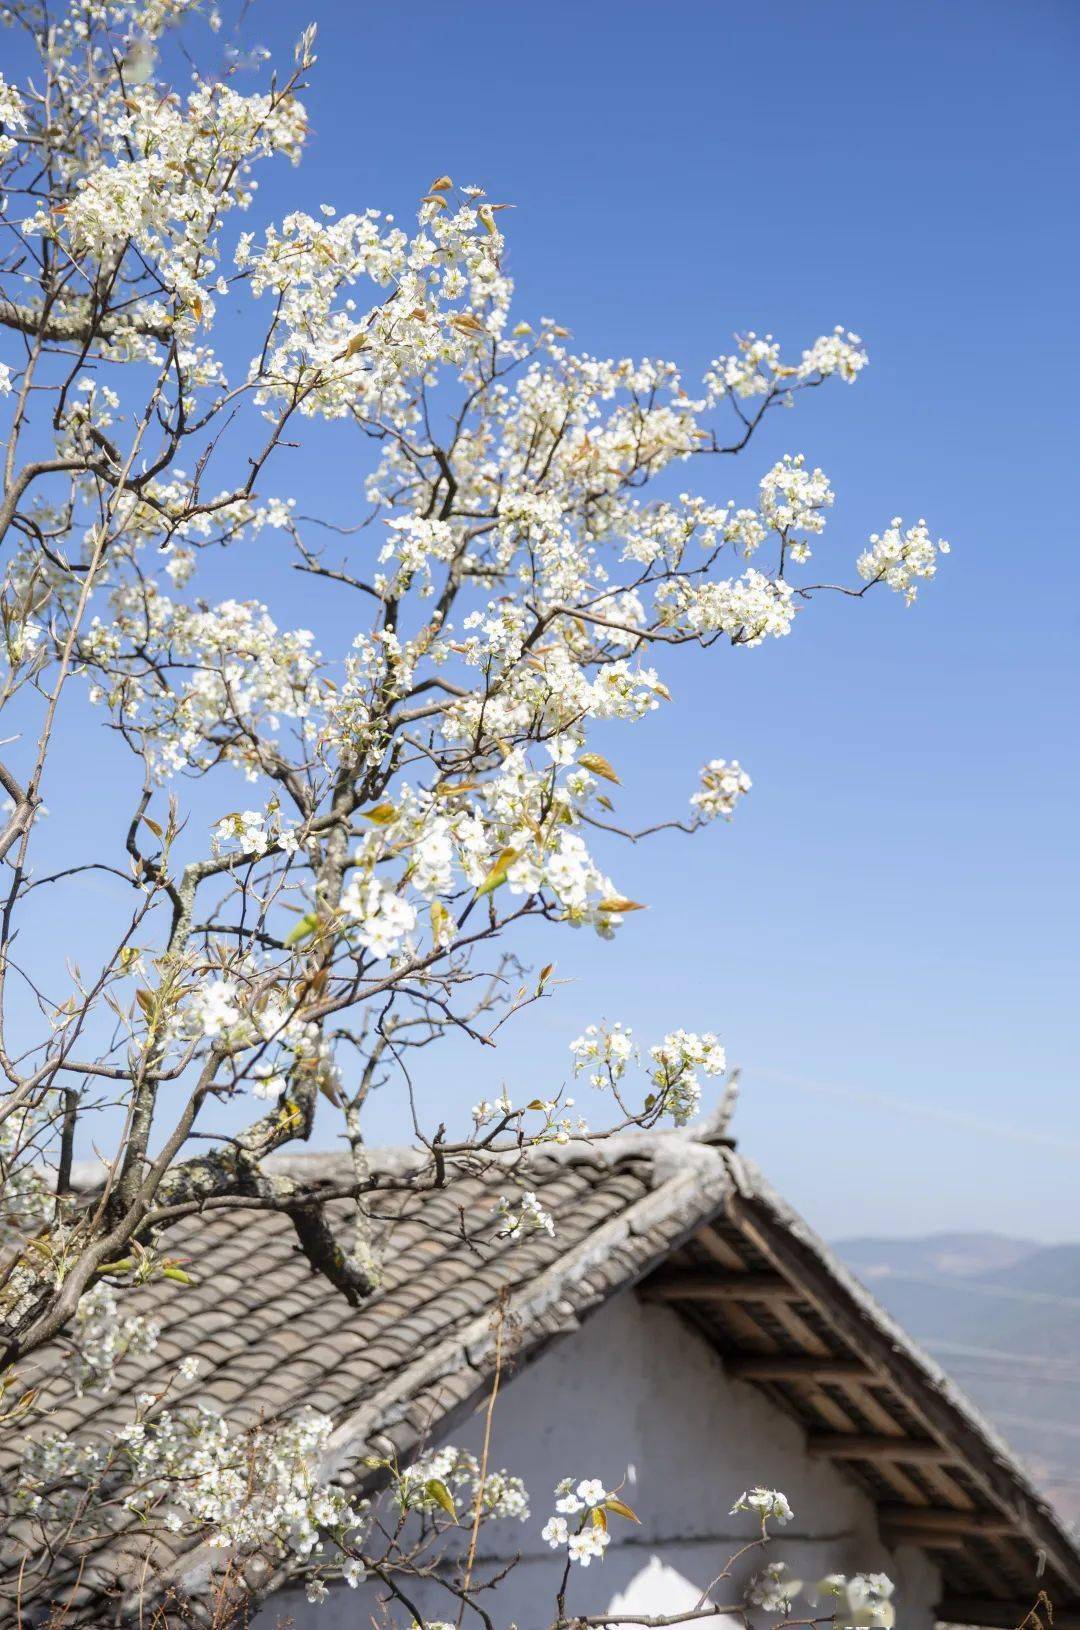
[[1002, 1315], [947, 1255]]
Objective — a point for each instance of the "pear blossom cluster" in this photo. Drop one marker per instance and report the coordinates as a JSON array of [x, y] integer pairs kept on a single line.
[[175, 169], [756, 369], [215, 1008], [579, 1525], [558, 1125], [605, 1051], [520, 557], [771, 1589], [187, 1469], [252, 832], [586, 1540], [427, 1483], [864, 1599], [248, 1489], [238, 1015], [27, 1203], [722, 786], [383, 920], [12, 117], [767, 1504], [676, 1066], [793, 501], [526, 1216], [749, 609], [898, 557], [101, 1337]]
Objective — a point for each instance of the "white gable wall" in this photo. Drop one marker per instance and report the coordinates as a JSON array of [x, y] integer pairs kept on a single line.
[[637, 1395]]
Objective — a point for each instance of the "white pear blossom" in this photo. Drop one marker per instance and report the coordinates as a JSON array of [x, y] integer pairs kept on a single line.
[[768, 1504], [722, 785], [605, 1051], [749, 609], [214, 1007], [772, 1589], [101, 1337], [383, 919], [555, 1532], [898, 558], [526, 1217], [12, 117], [674, 1071], [864, 1600], [588, 1544], [517, 562], [420, 1486]]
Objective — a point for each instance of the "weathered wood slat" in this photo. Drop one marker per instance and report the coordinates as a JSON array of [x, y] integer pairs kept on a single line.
[[943, 1520], [855, 1446], [797, 1367], [702, 1285], [999, 1615]]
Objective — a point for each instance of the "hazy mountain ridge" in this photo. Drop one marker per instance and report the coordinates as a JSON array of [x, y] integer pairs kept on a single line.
[[1002, 1315], [950, 1255]]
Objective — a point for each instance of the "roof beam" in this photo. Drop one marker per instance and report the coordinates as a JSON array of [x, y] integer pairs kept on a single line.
[[1000, 1615], [926, 1520], [797, 1367], [854, 1320], [855, 1446], [705, 1285]]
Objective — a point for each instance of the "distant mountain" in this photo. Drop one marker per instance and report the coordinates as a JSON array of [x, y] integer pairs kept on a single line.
[[944, 1255], [1002, 1316]]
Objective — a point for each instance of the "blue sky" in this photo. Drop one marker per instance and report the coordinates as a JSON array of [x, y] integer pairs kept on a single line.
[[893, 914], [885, 937]]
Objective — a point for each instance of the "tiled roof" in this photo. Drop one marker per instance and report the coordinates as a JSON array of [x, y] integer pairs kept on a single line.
[[681, 1217]]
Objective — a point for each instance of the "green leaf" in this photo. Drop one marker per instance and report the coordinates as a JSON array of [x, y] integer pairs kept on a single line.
[[154, 827], [302, 930], [622, 1510], [498, 872], [438, 1491], [124, 1265], [381, 814], [177, 1275]]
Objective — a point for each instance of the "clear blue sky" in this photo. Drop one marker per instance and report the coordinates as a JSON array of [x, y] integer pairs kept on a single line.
[[894, 911], [886, 936]]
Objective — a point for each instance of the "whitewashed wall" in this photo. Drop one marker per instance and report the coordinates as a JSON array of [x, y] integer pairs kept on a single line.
[[638, 1395]]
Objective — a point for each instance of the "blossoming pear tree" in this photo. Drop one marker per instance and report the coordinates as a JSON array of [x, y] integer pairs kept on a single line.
[[519, 569]]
